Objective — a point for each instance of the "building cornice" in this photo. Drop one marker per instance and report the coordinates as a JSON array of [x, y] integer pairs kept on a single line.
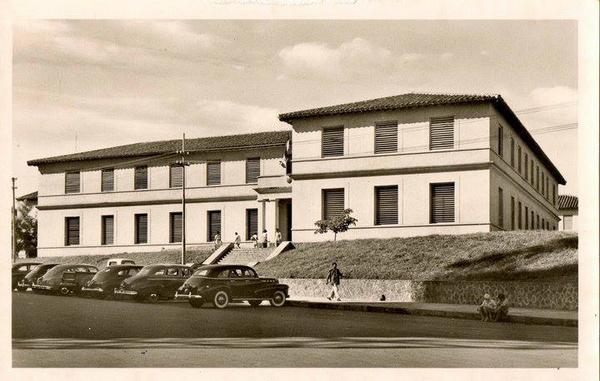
[[145, 203]]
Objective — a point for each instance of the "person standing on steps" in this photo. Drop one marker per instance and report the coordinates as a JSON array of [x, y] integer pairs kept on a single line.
[[278, 237], [238, 240], [217, 240], [264, 239], [333, 278]]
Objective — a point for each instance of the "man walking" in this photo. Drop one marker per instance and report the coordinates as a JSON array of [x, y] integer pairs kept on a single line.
[[333, 278]]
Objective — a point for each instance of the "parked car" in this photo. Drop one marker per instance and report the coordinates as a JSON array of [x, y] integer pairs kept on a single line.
[[19, 270], [65, 279], [38, 271], [154, 282], [222, 284], [104, 283], [119, 261]]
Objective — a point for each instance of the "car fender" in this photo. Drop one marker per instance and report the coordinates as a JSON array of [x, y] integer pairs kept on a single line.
[[268, 290]]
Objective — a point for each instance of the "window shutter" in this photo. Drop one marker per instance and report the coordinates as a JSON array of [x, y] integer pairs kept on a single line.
[[526, 167], [519, 154], [108, 230], [500, 208], [500, 141], [386, 137], [141, 177], [441, 133], [251, 223], [175, 176], [386, 205], [332, 143], [512, 152], [108, 180], [520, 216], [72, 182], [213, 170], [512, 213], [442, 203], [526, 218], [175, 227], [333, 203], [252, 170], [72, 230], [214, 223], [141, 228]]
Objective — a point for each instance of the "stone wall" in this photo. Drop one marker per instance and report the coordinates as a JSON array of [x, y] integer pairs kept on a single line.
[[558, 295]]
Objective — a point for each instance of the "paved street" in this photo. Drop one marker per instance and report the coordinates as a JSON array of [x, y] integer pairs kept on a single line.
[[78, 332]]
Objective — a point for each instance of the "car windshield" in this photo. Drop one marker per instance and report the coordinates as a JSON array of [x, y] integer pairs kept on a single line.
[[149, 270], [57, 270], [201, 272]]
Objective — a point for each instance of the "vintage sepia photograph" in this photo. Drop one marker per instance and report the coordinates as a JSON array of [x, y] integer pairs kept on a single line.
[[305, 193]]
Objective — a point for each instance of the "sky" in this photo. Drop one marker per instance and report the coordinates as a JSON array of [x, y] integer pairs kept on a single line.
[[82, 85]]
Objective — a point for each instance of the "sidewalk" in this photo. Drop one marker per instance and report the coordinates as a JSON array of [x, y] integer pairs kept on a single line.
[[459, 311]]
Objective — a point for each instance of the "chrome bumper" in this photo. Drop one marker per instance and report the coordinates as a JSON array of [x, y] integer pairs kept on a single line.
[[187, 296], [26, 286], [97, 289], [125, 292], [41, 287]]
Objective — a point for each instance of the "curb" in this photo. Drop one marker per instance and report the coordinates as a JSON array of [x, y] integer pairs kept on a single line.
[[534, 320]]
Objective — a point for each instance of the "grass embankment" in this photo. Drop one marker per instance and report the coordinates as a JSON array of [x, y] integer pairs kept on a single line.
[[523, 255], [145, 258]]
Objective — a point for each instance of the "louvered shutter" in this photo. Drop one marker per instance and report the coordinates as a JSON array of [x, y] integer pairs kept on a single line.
[[512, 152], [108, 180], [72, 181], [175, 227], [441, 133], [386, 137], [442, 203], [512, 213], [175, 176], [386, 205], [108, 223], [251, 222], [214, 223], [500, 208], [332, 143], [213, 175], [141, 177], [520, 216], [141, 228], [72, 231], [333, 203], [500, 141], [252, 170]]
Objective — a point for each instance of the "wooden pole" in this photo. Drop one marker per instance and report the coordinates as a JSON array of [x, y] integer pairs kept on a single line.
[[183, 164]]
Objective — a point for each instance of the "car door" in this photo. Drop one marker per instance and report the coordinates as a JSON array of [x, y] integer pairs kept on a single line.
[[173, 280], [252, 282], [237, 283]]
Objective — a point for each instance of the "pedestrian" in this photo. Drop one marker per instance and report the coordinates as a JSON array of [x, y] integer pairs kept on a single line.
[[237, 240], [333, 278], [264, 239], [501, 310], [217, 239], [254, 239], [278, 237], [487, 307]]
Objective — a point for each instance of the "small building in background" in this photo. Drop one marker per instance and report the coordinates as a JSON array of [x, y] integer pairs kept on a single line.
[[29, 198], [568, 207]]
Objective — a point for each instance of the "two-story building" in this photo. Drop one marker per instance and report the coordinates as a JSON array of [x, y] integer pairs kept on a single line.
[[412, 164]]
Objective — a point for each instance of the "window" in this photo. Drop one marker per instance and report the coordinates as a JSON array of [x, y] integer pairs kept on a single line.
[[386, 205], [214, 224], [333, 203], [519, 159], [553, 195], [543, 184], [543, 222], [332, 143], [172, 271], [537, 218], [500, 208], [108, 180], [251, 223], [386, 137], [500, 141], [72, 182], [526, 168], [213, 173], [547, 225], [532, 177], [249, 273], [567, 222], [526, 218], [252, 170], [175, 227], [175, 176], [512, 213], [512, 152], [546, 191], [71, 231], [537, 178], [441, 203], [141, 228], [520, 216], [141, 177], [108, 233], [441, 133]]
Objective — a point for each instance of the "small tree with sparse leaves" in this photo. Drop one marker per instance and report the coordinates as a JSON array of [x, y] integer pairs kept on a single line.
[[26, 230], [337, 224]]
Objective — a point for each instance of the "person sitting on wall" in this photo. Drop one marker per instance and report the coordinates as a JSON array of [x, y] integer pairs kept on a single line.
[[487, 308], [501, 310], [217, 239]]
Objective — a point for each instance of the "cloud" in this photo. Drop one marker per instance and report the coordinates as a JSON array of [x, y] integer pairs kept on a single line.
[[351, 59]]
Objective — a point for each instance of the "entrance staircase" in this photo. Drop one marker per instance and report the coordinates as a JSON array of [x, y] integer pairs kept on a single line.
[[246, 256]]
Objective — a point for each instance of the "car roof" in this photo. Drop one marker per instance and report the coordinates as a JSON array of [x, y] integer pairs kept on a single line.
[[223, 267], [125, 266], [75, 265], [168, 265]]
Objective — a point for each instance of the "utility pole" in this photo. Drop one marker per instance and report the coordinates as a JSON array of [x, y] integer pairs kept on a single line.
[[183, 165], [14, 223]]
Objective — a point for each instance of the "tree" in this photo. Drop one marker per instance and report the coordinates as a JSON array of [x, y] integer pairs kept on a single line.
[[337, 224], [26, 230]]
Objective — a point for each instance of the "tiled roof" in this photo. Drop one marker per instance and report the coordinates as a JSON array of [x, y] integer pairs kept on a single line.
[[33, 196], [213, 143], [566, 201], [411, 100]]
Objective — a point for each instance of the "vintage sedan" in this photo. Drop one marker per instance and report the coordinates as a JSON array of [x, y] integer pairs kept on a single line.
[[104, 283], [65, 279], [154, 282], [19, 270], [222, 284], [29, 279]]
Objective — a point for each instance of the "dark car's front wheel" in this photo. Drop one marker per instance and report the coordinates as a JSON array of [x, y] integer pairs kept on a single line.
[[221, 299], [64, 291], [278, 299]]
